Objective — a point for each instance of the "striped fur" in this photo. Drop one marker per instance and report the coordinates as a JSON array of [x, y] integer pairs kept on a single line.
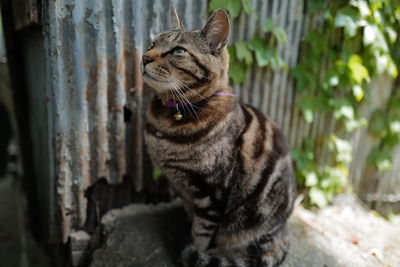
[[229, 162]]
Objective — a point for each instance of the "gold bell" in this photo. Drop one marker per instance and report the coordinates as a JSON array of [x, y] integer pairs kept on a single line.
[[178, 116]]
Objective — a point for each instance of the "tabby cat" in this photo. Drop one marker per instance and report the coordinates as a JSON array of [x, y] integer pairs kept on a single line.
[[229, 162]]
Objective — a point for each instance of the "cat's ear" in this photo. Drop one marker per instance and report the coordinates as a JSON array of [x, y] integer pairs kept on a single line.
[[176, 23], [216, 31]]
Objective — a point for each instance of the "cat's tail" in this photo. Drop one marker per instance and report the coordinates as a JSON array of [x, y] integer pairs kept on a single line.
[[267, 251]]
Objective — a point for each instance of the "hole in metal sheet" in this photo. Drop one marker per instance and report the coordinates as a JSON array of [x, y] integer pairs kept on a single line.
[[127, 114], [103, 197]]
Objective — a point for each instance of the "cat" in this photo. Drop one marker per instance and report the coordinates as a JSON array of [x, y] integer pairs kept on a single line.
[[230, 163]]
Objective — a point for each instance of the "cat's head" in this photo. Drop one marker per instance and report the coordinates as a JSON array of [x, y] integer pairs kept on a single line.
[[192, 63]]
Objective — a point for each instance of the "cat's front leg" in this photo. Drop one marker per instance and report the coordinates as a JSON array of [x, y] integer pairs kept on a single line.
[[202, 232], [188, 206], [208, 212]]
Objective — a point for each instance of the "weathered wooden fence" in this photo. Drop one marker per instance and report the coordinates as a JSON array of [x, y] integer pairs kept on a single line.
[[87, 102]]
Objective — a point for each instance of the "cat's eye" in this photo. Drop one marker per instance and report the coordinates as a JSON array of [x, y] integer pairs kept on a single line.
[[179, 51]]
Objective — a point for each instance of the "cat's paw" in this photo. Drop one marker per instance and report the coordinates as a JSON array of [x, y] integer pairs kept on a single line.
[[201, 243], [190, 254]]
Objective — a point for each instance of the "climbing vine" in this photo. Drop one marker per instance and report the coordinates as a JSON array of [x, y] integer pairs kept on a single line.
[[356, 41]]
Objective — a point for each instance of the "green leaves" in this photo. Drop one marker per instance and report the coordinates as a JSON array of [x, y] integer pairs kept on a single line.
[[248, 8], [349, 19], [278, 31], [233, 6], [362, 6], [237, 72], [358, 92], [358, 71], [394, 126], [377, 125], [315, 5], [262, 51], [342, 149], [381, 158], [343, 109], [311, 179], [309, 106], [265, 54], [322, 182], [318, 197], [243, 53], [375, 37], [237, 69]]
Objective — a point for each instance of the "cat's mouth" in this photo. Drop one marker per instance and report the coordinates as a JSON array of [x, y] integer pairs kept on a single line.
[[158, 82], [151, 77], [157, 73], [146, 74]]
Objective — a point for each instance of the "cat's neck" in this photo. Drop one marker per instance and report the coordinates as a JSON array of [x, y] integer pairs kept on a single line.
[[194, 95], [207, 111]]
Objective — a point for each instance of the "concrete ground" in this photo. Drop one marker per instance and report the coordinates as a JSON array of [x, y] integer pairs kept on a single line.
[[345, 234]]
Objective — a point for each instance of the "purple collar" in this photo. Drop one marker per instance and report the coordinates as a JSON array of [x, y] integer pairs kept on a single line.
[[172, 103]]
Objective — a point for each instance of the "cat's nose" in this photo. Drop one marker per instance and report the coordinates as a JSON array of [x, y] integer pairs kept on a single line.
[[147, 59]]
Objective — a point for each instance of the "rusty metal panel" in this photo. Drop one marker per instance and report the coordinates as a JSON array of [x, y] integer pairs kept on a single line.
[[93, 53]]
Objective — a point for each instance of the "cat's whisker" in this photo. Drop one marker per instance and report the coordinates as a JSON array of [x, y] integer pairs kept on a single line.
[[187, 100], [178, 97], [184, 100], [189, 104], [174, 97], [164, 87], [190, 89], [168, 94]]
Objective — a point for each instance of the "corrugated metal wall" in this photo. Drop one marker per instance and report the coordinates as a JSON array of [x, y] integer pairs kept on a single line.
[[93, 50], [94, 100]]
